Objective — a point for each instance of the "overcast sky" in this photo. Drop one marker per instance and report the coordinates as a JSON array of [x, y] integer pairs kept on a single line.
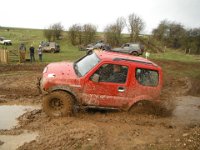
[[43, 13]]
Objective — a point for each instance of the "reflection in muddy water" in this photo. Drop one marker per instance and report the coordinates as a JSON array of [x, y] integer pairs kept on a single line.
[[9, 113], [12, 142], [187, 109]]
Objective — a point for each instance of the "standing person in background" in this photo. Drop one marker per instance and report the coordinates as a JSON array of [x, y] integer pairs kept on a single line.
[[40, 53], [32, 57], [22, 52]]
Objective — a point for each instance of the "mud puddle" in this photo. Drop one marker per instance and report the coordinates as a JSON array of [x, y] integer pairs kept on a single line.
[[12, 142], [8, 120], [187, 110], [10, 113]]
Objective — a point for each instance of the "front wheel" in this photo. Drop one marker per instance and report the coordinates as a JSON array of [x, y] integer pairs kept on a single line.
[[58, 104], [52, 50]]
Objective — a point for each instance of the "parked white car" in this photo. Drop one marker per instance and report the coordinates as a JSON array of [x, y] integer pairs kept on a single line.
[[5, 42]]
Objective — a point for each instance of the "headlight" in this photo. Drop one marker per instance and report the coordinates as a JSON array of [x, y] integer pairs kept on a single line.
[[51, 75]]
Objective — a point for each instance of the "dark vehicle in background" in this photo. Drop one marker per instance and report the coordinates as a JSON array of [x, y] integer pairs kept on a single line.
[[97, 45], [51, 47], [130, 48]]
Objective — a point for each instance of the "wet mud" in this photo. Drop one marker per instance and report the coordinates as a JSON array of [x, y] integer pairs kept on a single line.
[[10, 113], [175, 124]]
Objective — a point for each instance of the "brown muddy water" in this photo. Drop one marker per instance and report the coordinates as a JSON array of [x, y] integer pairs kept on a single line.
[[187, 110], [10, 113], [12, 142], [8, 120]]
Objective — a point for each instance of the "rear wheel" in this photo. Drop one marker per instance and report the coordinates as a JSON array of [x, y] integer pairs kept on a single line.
[[134, 53], [143, 107], [58, 104]]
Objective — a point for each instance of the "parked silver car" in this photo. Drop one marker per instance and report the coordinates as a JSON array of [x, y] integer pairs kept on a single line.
[[130, 48], [5, 41], [51, 47]]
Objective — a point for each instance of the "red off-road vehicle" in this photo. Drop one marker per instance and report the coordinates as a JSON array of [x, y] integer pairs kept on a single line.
[[90, 82]]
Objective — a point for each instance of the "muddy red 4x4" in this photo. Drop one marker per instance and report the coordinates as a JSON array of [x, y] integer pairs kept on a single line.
[[90, 82]]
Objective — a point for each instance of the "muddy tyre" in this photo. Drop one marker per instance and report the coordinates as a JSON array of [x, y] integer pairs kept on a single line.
[[143, 107], [58, 104], [134, 53], [52, 50]]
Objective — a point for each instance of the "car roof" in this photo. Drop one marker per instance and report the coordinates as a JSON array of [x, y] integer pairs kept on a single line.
[[116, 56]]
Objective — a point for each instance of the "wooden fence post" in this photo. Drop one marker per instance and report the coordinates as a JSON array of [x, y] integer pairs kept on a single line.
[[3, 56]]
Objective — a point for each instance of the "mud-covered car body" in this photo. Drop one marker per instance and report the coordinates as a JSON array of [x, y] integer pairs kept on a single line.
[[81, 80], [130, 48], [4, 41]]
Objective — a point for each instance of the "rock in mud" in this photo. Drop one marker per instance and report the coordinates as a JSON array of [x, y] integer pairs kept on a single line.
[[1, 142]]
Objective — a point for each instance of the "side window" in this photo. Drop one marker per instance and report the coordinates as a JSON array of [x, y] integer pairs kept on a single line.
[[147, 77], [112, 73]]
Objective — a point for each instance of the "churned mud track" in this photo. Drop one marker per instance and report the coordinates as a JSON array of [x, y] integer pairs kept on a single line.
[[19, 81], [95, 129]]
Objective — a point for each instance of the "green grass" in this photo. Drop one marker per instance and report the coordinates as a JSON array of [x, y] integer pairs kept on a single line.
[[178, 64], [175, 63], [175, 55], [34, 37], [69, 52]]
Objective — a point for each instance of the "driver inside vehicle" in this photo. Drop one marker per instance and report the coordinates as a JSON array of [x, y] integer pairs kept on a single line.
[[117, 75], [110, 73]]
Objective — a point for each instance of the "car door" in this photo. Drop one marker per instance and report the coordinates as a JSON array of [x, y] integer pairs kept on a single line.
[[105, 93], [126, 48]]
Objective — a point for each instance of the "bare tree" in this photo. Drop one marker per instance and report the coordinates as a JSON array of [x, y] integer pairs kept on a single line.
[[170, 33], [135, 26], [57, 30], [53, 32], [162, 31], [120, 24], [110, 33], [75, 35], [82, 34], [113, 32], [48, 34], [89, 32]]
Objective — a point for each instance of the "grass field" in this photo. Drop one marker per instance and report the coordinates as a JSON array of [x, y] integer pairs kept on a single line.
[[175, 55], [34, 37], [70, 52]]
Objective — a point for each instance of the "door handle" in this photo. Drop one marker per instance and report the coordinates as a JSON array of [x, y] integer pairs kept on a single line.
[[121, 89]]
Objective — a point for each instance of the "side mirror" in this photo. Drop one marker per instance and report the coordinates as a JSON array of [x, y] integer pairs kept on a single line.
[[95, 78]]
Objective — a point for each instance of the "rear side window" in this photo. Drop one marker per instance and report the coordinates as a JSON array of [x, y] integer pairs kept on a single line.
[[147, 77]]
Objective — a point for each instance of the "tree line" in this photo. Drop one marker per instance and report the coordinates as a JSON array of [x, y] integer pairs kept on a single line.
[[85, 34], [169, 34], [174, 35]]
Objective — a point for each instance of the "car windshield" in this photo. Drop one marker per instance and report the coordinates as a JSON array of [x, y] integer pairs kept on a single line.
[[85, 64]]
